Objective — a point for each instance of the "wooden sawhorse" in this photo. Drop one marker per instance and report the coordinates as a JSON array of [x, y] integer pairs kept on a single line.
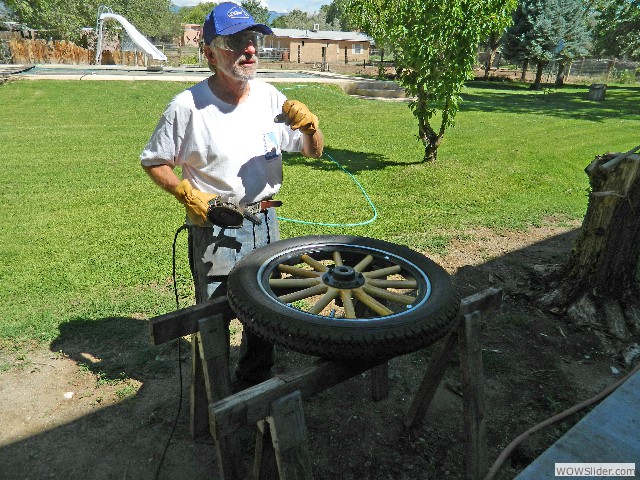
[[275, 405]]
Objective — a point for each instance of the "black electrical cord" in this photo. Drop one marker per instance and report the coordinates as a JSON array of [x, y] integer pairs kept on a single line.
[[175, 421]]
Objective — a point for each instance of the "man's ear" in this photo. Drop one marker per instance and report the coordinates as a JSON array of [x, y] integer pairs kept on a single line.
[[208, 52]]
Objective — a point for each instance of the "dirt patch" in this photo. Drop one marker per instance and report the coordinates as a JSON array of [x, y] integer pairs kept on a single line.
[[101, 402]]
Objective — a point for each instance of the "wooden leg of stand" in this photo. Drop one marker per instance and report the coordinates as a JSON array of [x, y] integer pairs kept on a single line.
[[198, 404], [209, 371], [289, 435], [475, 432], [264, 463], [214, 354], [431, 381], [213, 349], [380, 382]]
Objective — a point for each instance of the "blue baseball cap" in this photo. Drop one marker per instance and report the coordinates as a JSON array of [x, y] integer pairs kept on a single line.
[[228, 18]]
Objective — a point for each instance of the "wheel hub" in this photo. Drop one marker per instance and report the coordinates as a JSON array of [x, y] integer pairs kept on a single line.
[[343, 276]]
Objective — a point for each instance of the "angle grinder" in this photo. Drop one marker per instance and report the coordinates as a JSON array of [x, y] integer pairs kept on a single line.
[[224, 213]]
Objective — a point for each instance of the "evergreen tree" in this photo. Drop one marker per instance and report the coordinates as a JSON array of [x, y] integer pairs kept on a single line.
[[546, 31], [516, 41]]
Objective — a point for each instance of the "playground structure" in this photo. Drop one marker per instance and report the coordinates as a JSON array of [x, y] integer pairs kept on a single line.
[[105, 13]]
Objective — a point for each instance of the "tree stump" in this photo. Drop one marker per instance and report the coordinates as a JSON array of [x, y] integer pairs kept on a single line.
[[597, 91], [601, 281]]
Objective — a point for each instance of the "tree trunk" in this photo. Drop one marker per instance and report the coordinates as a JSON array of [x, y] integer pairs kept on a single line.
[[606, 257], [430, 152], [430, 139], [491, 56], [525, 67], [537, 83], [561, 73], [381, 70], [599, 287]]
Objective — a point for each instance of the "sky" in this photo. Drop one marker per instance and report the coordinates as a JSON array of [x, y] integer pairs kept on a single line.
[[282, 6]]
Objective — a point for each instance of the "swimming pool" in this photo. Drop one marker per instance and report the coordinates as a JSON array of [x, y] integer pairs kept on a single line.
[[83, 71]]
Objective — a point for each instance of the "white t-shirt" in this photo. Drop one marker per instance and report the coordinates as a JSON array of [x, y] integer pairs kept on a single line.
[[233, 150]]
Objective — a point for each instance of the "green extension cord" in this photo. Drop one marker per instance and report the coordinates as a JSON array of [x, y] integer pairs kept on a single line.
[[359, 224]]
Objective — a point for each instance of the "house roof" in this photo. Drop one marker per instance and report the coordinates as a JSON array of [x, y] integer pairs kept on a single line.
[[320, 34]]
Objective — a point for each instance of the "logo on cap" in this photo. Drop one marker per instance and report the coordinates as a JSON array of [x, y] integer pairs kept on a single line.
[[237, 12]]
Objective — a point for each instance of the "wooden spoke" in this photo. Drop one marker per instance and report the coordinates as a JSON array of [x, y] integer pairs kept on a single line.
[[387, 295], [383, 272], [324, 300], [402, 284], [293, 282], [347, 302], [371, 302], [306, 293], [297, 271], [313, 263], [364, 263], [337, 259]]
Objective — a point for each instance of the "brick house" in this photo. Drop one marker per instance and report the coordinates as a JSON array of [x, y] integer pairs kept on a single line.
[[316, 46], [191, 35], [302, 46]]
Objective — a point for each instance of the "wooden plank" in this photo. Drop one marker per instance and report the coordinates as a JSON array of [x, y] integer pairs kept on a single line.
[[607, 434], [487, 301], [251, 405], [431, 380], [289, 435], [179, 323], [475, 428], [380, 382]]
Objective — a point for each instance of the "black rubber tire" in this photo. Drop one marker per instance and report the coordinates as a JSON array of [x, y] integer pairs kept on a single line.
[[374, 337]]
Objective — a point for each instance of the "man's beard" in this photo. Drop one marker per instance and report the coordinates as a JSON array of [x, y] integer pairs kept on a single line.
[[246, 72]]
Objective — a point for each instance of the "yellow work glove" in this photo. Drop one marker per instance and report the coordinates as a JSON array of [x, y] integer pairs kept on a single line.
[[298, 116], [195, 201]]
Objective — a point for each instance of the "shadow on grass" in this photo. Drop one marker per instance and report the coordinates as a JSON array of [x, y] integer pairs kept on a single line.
[[569, 102], [354, 162]]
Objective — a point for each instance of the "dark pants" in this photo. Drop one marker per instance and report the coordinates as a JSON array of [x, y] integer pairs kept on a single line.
[[213, 251]]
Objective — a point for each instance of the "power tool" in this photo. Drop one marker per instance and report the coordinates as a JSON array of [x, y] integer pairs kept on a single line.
[[224, 213]]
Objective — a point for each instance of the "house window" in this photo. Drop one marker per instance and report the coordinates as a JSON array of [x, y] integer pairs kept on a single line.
[[356, 48]]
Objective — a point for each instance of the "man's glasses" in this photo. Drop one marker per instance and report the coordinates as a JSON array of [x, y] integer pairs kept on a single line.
[[239, 41]]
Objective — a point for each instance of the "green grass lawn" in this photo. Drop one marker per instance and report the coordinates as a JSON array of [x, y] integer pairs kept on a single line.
[[86, 235]]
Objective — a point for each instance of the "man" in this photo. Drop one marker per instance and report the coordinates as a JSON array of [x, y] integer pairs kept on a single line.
[[227, 136]]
